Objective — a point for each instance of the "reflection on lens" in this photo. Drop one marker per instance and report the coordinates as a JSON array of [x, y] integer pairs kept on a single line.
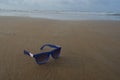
[[42, 58], [56, 54]]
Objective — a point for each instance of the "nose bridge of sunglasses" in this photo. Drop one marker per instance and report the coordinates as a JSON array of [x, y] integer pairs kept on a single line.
[[47, 49]]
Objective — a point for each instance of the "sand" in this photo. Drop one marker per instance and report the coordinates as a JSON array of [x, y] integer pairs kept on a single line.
[[90, 49]]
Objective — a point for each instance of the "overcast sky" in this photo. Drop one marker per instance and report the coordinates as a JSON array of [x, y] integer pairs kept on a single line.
[[81, 5]]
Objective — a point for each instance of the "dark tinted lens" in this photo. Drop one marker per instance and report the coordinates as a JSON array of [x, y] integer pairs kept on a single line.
[[42, 58], [56, 54]]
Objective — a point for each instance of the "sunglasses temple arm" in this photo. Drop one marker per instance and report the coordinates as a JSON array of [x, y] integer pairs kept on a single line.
[[50, 45], [28, 53]]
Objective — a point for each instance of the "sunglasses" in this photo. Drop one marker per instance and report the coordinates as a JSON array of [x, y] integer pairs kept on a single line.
[[43, 57]]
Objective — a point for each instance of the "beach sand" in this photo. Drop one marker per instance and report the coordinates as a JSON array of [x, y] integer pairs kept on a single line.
[[90, 49]]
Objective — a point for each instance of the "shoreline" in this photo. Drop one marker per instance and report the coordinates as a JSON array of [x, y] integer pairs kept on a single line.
[[39, 18]]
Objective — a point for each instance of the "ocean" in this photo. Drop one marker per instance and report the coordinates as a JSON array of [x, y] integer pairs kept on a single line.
[[61, 15]]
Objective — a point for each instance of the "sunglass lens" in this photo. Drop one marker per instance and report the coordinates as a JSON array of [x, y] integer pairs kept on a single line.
[[56, 54], [42, 58]]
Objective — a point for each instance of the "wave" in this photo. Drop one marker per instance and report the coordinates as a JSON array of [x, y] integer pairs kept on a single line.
[[60, 14], [60, 11]]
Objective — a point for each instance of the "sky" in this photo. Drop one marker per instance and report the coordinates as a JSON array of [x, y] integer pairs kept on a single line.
[[73, 5]]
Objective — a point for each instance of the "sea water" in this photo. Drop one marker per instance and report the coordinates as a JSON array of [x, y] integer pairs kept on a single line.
[[61, 15]]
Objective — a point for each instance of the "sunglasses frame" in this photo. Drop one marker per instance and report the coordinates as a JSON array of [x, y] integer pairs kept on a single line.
[[35, 56]]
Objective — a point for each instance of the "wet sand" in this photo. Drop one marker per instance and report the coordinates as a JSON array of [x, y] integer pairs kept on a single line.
[[90, 49]]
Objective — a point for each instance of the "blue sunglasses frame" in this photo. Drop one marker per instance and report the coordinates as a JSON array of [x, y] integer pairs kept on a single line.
[[38, 55]]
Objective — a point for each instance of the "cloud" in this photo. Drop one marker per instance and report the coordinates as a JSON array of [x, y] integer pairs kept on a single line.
[[47, 3], [81, 5]]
